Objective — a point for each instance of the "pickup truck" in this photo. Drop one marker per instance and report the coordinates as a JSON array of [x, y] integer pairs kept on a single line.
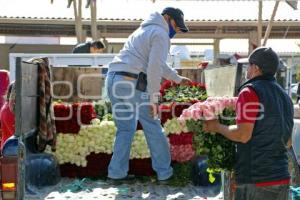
[[27, 174]]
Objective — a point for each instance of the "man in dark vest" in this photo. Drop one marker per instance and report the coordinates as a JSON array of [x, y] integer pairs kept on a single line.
[[89, 47], [262, 132]]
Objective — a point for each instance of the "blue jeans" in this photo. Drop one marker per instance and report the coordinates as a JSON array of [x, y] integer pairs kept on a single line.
[[252, 192], [130, 105]]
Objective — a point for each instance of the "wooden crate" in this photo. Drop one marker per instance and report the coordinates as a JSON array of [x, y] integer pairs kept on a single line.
[[79, 83], [75, 84], [194, 63], [193, 74]]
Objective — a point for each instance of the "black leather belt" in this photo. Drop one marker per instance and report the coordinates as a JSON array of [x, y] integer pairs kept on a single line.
[[127, 74]]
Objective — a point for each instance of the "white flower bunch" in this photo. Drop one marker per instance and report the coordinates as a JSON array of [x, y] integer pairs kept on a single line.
[[71, 149], [139, 148], [98, 138], [175, 126]]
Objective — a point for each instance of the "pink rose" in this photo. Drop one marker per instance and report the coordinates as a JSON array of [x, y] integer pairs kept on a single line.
[[219, 107], [209, 114], [186, 114], [227, 102], [196, 114], [198, 105], [210, 106]]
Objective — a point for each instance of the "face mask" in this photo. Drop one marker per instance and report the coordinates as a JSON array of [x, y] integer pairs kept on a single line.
[[172, 32]]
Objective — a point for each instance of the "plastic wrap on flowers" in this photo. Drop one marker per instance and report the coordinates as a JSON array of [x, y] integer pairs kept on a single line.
[[69, 117]]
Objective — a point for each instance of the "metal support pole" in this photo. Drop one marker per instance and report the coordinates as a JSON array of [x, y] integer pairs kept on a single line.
[[94, 28], [267, 34], [259, 25], [216, 50]]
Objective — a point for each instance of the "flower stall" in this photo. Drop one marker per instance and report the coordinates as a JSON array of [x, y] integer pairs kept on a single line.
[[86, 134], [86, 131]]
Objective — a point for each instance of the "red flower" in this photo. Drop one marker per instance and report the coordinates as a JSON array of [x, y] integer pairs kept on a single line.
[[165, 85], [181, 139], [165, 111], [199, 85], [69, 117]]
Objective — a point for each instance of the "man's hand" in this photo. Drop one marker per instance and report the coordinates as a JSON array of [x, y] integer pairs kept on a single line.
[[211, 125], [185, 80], [237, 133], [154, 110]]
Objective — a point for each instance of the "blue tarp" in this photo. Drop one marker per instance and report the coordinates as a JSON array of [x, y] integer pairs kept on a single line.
[[295, 193]]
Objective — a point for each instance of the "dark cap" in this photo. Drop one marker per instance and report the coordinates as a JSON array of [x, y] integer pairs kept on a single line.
[[266, 59], [178, 17]]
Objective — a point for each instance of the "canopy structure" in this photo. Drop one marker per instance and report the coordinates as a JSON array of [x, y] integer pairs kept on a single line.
[[206, 19], [253, 20], [122, 28]]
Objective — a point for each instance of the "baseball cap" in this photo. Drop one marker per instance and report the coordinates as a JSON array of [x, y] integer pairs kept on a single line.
[[178, 17], [266, 59]]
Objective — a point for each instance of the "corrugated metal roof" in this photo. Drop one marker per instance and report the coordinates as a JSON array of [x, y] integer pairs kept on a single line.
[[140, 19]]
